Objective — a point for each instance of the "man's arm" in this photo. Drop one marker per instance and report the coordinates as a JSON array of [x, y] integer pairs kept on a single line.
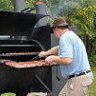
[[52, 51], [58, 60]]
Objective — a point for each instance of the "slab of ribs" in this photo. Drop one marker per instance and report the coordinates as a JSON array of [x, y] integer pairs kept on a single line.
[[27, 64]]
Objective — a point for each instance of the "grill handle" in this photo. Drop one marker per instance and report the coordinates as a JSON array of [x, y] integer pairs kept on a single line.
[[41, 46]]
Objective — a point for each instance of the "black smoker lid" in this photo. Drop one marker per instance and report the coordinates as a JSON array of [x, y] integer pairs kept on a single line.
[[18, 24]]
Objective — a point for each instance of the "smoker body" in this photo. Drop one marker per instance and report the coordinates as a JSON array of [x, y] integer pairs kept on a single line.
[[22, 81], [18, 33]]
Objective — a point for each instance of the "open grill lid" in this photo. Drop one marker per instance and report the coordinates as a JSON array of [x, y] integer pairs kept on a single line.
[[18, 24], [22, 26], [17, 32]]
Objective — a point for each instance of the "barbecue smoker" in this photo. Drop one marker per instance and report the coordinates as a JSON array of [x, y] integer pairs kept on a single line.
[[20, 41]]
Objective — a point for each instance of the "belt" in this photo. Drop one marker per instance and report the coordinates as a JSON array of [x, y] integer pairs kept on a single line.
[[82, 73]]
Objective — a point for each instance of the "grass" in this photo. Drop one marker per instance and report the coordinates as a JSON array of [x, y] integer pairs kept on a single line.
[[92, 90]]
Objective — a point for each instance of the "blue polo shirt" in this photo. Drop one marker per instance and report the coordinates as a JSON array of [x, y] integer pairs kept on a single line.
[[70, 45]]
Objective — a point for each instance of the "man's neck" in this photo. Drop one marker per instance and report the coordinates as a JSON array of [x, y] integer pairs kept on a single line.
[[64, 31]]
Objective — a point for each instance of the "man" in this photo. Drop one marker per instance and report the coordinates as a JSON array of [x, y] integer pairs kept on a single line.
[[72, 57]]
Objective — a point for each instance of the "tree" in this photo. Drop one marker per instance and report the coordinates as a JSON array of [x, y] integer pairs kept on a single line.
[[84, 19], [6, 5]]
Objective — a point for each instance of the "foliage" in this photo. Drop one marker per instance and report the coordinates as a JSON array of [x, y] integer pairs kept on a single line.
[[6, 5], [63, 7], [8, 94], [92, 60], [84, 19], [29, 3]]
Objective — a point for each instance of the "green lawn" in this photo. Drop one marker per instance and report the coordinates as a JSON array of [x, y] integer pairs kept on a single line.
[[92, 90]]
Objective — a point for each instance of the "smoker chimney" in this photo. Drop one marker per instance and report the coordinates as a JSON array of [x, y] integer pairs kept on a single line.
[[41, 9], [18, 5]]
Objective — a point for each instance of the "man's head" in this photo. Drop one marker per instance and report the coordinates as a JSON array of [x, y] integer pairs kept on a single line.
[[59, 26]]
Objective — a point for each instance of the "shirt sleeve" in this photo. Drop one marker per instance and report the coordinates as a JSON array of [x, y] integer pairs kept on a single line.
[[66, 48]]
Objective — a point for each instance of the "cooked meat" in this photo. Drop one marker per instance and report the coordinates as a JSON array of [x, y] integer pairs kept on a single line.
[[19, 53], [26, 64]]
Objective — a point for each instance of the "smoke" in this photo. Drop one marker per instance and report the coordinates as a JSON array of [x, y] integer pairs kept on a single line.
[[62, 7]]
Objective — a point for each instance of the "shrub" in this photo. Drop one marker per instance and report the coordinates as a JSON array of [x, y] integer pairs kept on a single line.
[[92, 60], [8, 94]]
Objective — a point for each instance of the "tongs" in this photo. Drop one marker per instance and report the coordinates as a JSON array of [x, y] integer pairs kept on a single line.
[[36, 58]]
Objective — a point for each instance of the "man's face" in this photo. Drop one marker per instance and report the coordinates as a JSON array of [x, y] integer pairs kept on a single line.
[[57, 32]]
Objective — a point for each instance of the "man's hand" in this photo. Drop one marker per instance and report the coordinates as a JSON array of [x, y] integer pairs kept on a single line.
[[58, 60], [52, 59], [42, 54]]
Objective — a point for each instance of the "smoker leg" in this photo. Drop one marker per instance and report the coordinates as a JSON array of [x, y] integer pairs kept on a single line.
[[50, 92]]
